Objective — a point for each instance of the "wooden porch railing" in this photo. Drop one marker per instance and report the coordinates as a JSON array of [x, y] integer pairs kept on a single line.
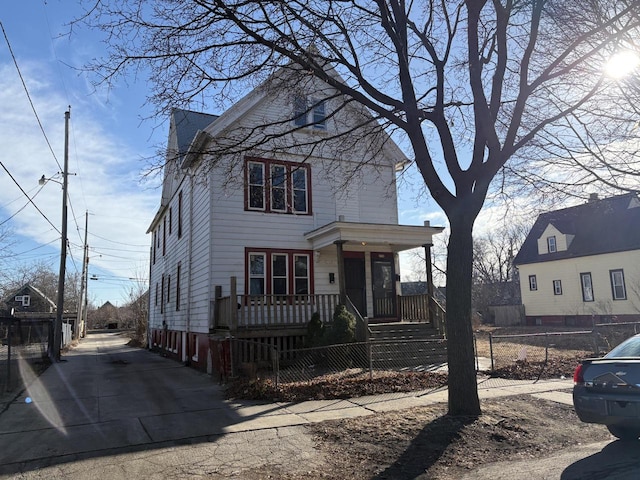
[[264, 311], [418, 308]]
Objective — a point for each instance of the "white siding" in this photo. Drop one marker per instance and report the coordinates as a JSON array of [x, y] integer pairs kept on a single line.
[[357, 181]]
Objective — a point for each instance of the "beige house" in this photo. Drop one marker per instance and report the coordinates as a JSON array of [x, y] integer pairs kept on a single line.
[[581, 265]]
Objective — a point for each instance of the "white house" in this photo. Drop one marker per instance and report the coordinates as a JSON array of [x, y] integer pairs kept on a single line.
[[260, 226], [581, 265]]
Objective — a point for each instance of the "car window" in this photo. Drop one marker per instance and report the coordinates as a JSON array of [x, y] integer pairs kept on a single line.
[[628, 348]]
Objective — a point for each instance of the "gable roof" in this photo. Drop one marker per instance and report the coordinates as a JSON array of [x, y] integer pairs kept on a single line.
[[28, 286], [597, 227], [187, 124]]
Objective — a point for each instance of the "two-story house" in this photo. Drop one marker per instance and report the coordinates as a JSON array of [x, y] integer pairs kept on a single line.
[[581, 265], [254, 236]]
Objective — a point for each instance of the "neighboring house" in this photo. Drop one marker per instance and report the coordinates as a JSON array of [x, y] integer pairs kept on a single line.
[[105, 316], [28, 300], [581, 265], [251, 243]]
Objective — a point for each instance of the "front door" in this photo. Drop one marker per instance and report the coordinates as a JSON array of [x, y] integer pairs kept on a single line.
[[384, 286], [355, 283]]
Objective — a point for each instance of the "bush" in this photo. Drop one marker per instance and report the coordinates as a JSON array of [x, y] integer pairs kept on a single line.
[[315, 331], [343, 328]]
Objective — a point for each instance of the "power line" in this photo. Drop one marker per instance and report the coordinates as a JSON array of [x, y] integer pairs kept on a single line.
[[23, 207], [119, 243], [24, 85], [30, 200]]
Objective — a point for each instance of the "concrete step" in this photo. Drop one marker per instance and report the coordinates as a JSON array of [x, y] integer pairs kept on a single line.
[[403, 331]]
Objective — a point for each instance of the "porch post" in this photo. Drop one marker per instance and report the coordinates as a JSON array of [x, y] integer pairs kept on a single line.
[[233, 302], [341, 279], [427, 256]]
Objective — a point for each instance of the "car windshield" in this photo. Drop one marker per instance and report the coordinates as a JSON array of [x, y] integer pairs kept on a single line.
[[629, 348]]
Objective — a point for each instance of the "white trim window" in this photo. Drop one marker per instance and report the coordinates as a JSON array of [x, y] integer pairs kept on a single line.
[[25, 300], [587, 287], [618, 288], [279, 272], [551, 244], [557, 287], [277, 187], [301, 274], [533, 283], [256, 185], [309, 112], [257, 273]]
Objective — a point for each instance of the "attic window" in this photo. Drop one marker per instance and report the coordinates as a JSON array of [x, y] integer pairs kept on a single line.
[[24, 299], [309, 112], [551, 244]]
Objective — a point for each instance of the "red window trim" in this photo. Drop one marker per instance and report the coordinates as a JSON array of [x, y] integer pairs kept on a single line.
[[289, 185], [290, 267]]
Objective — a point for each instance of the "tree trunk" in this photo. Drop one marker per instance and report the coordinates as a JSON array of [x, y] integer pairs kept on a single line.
[[463, 388]]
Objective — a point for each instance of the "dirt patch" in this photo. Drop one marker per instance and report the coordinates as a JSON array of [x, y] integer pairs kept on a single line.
[[347, 384], [357, 383], [426, 443]]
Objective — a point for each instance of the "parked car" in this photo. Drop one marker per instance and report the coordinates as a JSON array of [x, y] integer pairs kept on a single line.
[[607, 390]]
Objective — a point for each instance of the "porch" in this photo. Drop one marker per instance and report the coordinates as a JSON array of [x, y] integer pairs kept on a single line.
[[250, 316]]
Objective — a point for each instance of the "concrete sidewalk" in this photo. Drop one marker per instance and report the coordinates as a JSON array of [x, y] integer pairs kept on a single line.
[[107, 399]]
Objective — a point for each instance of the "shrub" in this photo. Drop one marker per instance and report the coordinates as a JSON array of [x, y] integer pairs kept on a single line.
[[343, 328], [315, 331]]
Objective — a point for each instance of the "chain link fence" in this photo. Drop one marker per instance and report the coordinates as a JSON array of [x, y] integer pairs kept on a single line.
[[552, 353], [251, 359], [22, 344], [523, 356]]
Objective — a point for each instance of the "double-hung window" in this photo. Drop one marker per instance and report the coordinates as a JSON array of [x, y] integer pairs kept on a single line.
[[533, 283], [274, 272], [309, 112], [587, 287], [618, 288], [551, 244], [277, 187], [557, 287]]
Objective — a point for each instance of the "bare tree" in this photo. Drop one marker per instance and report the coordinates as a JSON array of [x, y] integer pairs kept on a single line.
[[494, 251], [512, 89], [135, 313]]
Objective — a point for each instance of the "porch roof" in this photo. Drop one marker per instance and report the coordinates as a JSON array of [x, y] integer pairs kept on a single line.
[[396, 237]]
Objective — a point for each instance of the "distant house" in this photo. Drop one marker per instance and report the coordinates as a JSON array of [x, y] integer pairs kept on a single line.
[[28, 300], [581, 265], [105, 316], [252, 243]]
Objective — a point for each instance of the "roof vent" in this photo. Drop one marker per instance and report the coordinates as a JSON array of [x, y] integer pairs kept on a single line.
[[593, 197]]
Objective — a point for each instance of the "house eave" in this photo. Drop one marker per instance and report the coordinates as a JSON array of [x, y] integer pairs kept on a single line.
[[395, 237]]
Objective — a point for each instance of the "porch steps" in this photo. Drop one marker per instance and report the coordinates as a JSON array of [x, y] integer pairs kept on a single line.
[[416, 346], [402, 331]]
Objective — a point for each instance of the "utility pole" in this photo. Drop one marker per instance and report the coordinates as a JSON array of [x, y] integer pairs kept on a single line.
[[81, 329], [57, 327]]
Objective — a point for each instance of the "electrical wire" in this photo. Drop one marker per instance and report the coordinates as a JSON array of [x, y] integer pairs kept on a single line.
[[30, 200], [24, 85]]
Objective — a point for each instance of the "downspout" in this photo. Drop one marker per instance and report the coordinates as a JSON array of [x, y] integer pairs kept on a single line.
[[149, 342], [189, 264]]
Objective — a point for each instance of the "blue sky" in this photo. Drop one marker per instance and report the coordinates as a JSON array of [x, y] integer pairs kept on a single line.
[[107, 147], [109, 143]]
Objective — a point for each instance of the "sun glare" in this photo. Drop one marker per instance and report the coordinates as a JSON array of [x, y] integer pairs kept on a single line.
[[622, 64]]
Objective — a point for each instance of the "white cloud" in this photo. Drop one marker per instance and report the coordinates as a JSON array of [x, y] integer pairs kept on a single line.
[[104, 170]]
